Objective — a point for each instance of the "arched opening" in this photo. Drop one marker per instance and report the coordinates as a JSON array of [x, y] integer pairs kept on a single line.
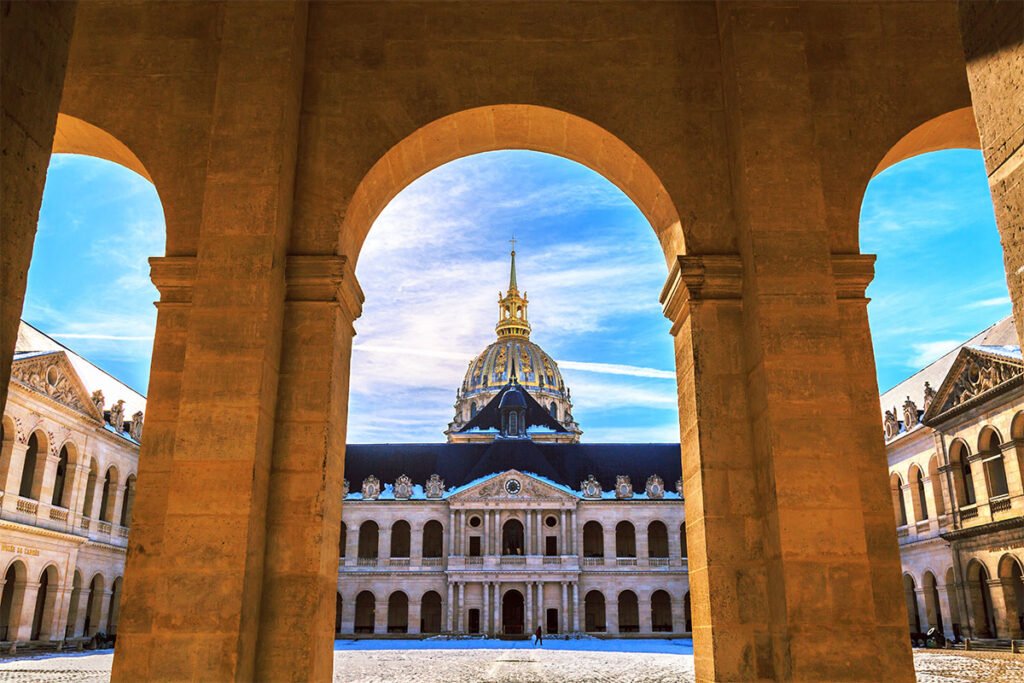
[[433, 539], [1011, 581], [430, 612], [342, 539], [920, 499], [128, 501], [625, 539], [60, 477], [512, 538], [31, 471], [593, 539], [400, 539], [339, 605], [366, 610], [46, 602], [594, 611], [682, 540], [90, 489], [512, 612], [933, 476], [992, 463], [70, 631], [369, 540], [109, 495], [953, 600], [114, 608], [657, 539], [898, 504], [963, 477], [661, 612], [629, 613], [910, 594], [398, 613], [94, 606], [932, 607], [979, 601], [11, 601], [687, 613]]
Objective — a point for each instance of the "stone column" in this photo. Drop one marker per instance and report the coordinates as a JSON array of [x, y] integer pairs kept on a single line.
[[563, 616], [416, 546], [528, 613], [610, 551], [21, 621], [577, 605], [485, 542], [414, 616], [80, 613], [563, 535], [644, 608], [575, 542], [348, 614], [990, 34], [49, 479], [451, 532], [485, 612], [611, 607], [384, 544], [449, 607], [460, 622], [946, 610], [36, 37], [199, 543], [498, 615], [104, 612], [10, 470], [528, 539], [380, 613]]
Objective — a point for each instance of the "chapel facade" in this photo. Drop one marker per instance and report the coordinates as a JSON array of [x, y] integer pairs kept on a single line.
[[513, 523], [68, 468], [954, 436]]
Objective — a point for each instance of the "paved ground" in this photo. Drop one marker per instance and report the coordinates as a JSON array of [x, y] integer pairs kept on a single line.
[[521, 665]]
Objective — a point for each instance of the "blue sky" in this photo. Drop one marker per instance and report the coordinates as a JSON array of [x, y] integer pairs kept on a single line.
[[437, 257]]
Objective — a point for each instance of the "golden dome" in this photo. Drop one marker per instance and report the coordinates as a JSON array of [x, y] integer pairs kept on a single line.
[[535, 370]]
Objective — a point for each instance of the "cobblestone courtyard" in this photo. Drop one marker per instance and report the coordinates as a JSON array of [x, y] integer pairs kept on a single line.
[[519, 664]]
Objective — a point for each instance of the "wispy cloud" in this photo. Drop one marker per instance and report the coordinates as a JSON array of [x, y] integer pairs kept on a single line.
[[928, 352], [989, 303]]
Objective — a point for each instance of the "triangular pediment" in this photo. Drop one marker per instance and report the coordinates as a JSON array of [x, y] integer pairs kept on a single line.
[[512, 485], [51, 374], [976, 375]]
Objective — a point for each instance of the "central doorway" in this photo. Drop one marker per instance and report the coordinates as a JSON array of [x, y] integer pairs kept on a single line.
[[512, 612]]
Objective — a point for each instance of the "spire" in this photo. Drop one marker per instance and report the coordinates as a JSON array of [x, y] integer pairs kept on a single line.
[[512, 320]]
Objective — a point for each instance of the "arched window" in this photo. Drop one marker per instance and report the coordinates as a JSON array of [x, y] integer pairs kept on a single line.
[[129, 501], [60, 478], [920, 501], [657, 540], [899, 506], [28, 470], [682, 540], [553, 409], [368, 540], [433, 539], [629, 613], [992, 460], [512, 538], [962, 475], [342, 540], [661, 612], [625, 540], [398, 613], [400, 536], [594, 611], [593, 540]]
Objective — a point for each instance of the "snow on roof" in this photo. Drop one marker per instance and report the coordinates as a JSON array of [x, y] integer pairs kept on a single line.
[[32, 342], [1001, 335], [1005, 350]]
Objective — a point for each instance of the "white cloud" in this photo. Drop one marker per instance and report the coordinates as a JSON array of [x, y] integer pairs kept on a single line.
[[928, 352], [989, 303]]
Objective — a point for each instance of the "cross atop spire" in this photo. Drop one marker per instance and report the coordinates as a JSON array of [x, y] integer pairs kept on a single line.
[[512, 321]]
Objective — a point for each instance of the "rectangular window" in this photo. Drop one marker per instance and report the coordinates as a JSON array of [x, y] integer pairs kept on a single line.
[[474, 546], [550, 545]]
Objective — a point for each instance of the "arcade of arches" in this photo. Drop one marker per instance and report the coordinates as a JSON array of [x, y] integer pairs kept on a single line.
[[276, 132]]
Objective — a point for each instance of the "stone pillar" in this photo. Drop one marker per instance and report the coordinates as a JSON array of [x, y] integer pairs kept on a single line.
[[499, 626], [485, 542], [563, 616], [415, 616], [384, 544], [611, 607], [991, 35], [528, 625], [485, 612], [416, 546], [528, 540], [36, 37], [575, 542], [199, 541], [460, 622], [610, 551], [11, 465], [104, 611], [21, 622], [1014, 475], [577, 605], [946, 610], [351, 544], [451, 532], [348, 614], [921, 597], [49, 479], [449, 607], [563, 535], [380, 613]]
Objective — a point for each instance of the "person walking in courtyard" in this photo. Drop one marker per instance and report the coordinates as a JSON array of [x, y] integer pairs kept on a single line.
[[539, 635]]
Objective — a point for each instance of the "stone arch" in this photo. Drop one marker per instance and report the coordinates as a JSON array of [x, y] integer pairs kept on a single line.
[[661, 612], [12, 600], [932, 604], [401, 539], [1011, 593], [625, 539], [433, 539], [430, 612], [918, 497], [593, 539], [46, 604], [512, 538], [94, 605], [657, 539], [366, 612], [910, 595], [76, 136], [992, 463], [963, 474], [108, 494], [1017, 426], [979, 601], [513, 612], [369, 540], [34, 465], [511, 126], [952, 130], [398, 612], [629, 612], [898, 503], [63, 478], [595, 617]]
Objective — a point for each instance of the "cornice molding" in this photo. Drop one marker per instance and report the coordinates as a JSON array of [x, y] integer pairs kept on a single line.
[[174, 277], [853, 273], [324, 279], [698, 278], [42, 531]]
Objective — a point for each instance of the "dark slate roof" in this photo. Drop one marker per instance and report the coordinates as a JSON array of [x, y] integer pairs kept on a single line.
[[489, 416], [566, 464]]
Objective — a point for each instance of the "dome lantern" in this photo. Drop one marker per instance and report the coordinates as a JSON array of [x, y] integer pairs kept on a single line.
[[512, 318]]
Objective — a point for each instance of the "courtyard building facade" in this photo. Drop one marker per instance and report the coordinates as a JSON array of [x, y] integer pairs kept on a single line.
[[513, 524], [955, 439]]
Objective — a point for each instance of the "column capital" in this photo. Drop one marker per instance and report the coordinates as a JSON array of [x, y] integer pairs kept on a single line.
[[692, 278], [324, 279], [853, 273], [174, 277]]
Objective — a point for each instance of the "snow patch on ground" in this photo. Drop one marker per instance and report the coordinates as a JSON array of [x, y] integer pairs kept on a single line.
[[674, 646]]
